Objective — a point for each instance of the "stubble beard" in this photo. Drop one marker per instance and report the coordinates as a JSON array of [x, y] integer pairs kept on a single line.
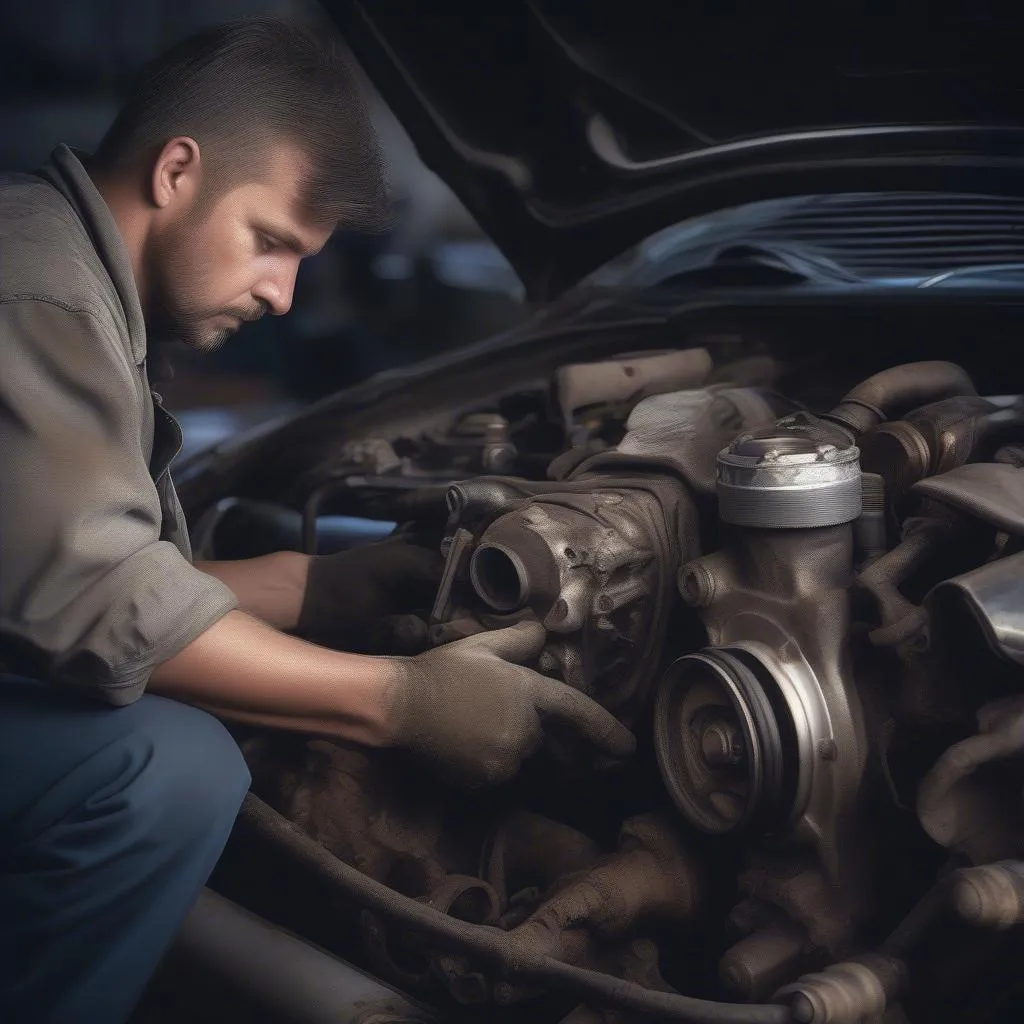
[[170, 318], [174, 277]]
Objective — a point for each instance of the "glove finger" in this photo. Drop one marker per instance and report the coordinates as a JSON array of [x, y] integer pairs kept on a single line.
[[586, 716], [518, 644]]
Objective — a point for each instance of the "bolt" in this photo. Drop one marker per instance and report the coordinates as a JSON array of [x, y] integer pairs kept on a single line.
[[721, 745]]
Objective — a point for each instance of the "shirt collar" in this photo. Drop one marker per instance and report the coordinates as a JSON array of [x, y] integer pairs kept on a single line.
[[65, 171]]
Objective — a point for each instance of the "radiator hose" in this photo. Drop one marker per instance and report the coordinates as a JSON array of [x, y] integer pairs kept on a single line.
[[898, 389]]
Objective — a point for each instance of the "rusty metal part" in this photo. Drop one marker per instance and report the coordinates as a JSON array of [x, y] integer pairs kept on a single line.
[[527, 850], [359, 804], [855, 991], [796, 882], [756, 966], [990, 896], [972, 811], [472, 900], [651, 878], [521, 962]]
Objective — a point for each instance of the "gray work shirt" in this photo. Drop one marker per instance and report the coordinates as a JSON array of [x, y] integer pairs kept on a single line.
[[96, 581]]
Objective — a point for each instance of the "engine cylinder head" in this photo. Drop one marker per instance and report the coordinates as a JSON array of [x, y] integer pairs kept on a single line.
[[800, 473]]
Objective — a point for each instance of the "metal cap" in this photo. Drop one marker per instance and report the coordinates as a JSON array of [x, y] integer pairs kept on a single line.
[[798, 474]]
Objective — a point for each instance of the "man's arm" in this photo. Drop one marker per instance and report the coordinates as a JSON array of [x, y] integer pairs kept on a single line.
[[243, 669], [270, 587], [470, 706]]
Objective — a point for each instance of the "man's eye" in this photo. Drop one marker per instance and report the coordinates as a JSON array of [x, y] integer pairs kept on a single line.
[[266, 243]]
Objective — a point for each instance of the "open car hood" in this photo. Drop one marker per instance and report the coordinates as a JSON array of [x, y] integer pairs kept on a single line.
[[572, 129]]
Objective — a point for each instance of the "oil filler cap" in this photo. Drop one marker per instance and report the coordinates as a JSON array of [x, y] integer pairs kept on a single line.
[[798, 474]]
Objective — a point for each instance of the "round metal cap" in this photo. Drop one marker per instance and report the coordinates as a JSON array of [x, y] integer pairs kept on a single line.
[[798, 474]]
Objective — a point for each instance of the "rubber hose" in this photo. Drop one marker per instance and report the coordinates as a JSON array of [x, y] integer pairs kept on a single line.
[[921, 919], [493, 945], [899, 389]]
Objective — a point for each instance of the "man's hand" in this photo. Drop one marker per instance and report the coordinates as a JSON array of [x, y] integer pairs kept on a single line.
[[478, 713], [349, 595]]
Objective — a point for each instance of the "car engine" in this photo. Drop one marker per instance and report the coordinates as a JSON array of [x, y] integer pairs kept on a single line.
[[812, 620]]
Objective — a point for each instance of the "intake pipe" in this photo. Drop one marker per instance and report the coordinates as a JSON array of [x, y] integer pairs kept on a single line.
[[898, 389]]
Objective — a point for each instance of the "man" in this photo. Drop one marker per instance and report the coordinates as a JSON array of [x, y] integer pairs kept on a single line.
[[237, 154]]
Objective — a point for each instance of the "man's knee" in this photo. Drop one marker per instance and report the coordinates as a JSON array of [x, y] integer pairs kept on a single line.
[[195, 777]]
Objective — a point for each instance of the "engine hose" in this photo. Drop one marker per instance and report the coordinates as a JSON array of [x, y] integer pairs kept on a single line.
[[516, 959], [897, 390], [919, 922]]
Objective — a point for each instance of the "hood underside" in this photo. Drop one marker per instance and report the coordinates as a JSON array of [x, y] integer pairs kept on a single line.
[[571, 130]]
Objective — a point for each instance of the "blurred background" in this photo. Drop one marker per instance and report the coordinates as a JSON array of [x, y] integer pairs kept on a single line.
[[364, 304]]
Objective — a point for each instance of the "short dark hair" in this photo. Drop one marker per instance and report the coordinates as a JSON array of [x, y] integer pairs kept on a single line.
[[239, 86]]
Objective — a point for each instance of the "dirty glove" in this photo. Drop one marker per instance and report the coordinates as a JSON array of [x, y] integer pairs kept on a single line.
[[478, 713], [351, 596]]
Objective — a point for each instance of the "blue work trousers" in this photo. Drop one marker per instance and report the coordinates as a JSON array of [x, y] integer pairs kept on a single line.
[[111, 820]]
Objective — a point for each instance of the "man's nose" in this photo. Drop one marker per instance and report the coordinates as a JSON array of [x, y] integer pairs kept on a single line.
[[277, 291]]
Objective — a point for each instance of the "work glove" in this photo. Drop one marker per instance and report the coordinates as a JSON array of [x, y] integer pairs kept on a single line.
[[352, 597], [477, 712]]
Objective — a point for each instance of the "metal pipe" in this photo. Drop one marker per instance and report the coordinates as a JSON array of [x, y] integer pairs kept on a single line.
[[245, 968]]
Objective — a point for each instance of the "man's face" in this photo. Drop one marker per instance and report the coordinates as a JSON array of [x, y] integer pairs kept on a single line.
[[213, 266]]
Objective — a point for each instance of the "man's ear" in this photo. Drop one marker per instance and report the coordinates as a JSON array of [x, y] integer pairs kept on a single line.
[[176, 173]]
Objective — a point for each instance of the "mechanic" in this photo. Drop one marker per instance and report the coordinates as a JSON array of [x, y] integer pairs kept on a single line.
[[237, 154]]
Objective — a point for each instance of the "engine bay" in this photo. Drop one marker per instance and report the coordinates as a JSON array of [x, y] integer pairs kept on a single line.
[[810, 616]]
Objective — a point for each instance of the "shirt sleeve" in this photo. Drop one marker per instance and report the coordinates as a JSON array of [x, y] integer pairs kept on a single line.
[[90, 596]]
